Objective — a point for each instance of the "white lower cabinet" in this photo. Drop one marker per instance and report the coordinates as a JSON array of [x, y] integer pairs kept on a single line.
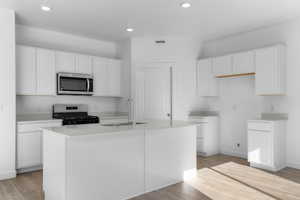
[[266, 144], [29, 145], [207, 135]]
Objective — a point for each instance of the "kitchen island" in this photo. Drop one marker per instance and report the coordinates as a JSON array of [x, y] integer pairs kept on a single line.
[[94, 162]]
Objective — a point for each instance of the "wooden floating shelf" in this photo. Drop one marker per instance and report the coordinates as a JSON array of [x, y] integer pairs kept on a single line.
[[235, 75]]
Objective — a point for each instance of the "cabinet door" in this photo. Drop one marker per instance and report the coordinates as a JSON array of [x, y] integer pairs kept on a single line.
[[222, 66], [84, 64], [202, 130], [243, 63], [114, 72], [29, 149], [207, 84], [46, 76], [265, 74], [65, 62], [100, 77], [260, 147], [270, 71], [26, 70]]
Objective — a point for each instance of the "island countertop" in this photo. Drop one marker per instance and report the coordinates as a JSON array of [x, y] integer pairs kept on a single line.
[[95, 129]]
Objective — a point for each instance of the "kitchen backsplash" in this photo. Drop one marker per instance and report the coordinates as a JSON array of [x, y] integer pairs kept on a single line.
[[43, 104]]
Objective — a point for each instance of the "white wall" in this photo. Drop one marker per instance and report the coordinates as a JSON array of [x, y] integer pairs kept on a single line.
[[62, 41], [8, 91], [241, 93], [67, 42], [124, 53], [184, 52]]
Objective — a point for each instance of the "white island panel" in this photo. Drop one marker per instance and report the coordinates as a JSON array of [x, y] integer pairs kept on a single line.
[[170, 155], [117, 163], [109, 167]]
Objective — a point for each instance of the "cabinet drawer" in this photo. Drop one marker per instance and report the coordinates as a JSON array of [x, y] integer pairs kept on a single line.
[[36, 126], [260, 126]]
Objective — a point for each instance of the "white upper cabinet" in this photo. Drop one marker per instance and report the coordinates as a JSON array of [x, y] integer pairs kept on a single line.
[[243, 63], [37, 68], [270, 70], [84, 64], [114, 75], [107, 77], [26, 70], [207, 84], [222, 66], [100, 70], [45, 69], [65, 62]]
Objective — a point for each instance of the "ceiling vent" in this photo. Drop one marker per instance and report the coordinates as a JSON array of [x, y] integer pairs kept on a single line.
[[160, 41]]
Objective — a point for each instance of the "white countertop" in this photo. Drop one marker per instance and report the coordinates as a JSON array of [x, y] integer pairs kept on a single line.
[[35, 118], [111, 115], [271, 117], [94, 129]]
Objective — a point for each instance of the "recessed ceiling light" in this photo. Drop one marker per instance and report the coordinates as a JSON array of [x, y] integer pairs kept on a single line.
[[46, 8], [129, 29], [186, 5]]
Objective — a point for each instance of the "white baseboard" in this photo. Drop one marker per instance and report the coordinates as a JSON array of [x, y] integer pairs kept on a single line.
[[293, 165], [235, 154], [29, 169], [8, 175]]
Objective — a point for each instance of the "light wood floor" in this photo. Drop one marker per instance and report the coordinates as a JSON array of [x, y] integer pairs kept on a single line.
[[219, 178]]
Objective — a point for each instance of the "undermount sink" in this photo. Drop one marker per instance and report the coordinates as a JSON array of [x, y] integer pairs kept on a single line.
[[123, 124]]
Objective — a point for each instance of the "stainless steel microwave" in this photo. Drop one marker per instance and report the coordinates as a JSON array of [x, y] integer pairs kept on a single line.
[[74, 84]]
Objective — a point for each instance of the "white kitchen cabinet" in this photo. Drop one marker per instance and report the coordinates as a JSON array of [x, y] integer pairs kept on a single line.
[[45, 72], [37, 68], [222, 66], [65, 62], [29, 144], [107, 77], [114, 78], [29, 149], [100, 71], [270, 70], [26, 70], [207, 134], [266, 144], [207, 84], [243, 63], [84, 64]]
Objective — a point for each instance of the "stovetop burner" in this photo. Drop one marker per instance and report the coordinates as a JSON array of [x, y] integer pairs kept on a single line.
[[73, 114]]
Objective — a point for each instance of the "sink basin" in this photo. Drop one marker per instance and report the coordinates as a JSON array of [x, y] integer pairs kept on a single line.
[[123, 124]]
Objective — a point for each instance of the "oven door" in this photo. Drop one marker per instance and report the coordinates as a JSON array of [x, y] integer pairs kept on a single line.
[[73, 84]]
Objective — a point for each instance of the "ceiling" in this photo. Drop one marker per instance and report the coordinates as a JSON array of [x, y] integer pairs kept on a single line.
[[107, 19]]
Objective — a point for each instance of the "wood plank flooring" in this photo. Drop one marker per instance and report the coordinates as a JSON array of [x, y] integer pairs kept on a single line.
[[219, 178]]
